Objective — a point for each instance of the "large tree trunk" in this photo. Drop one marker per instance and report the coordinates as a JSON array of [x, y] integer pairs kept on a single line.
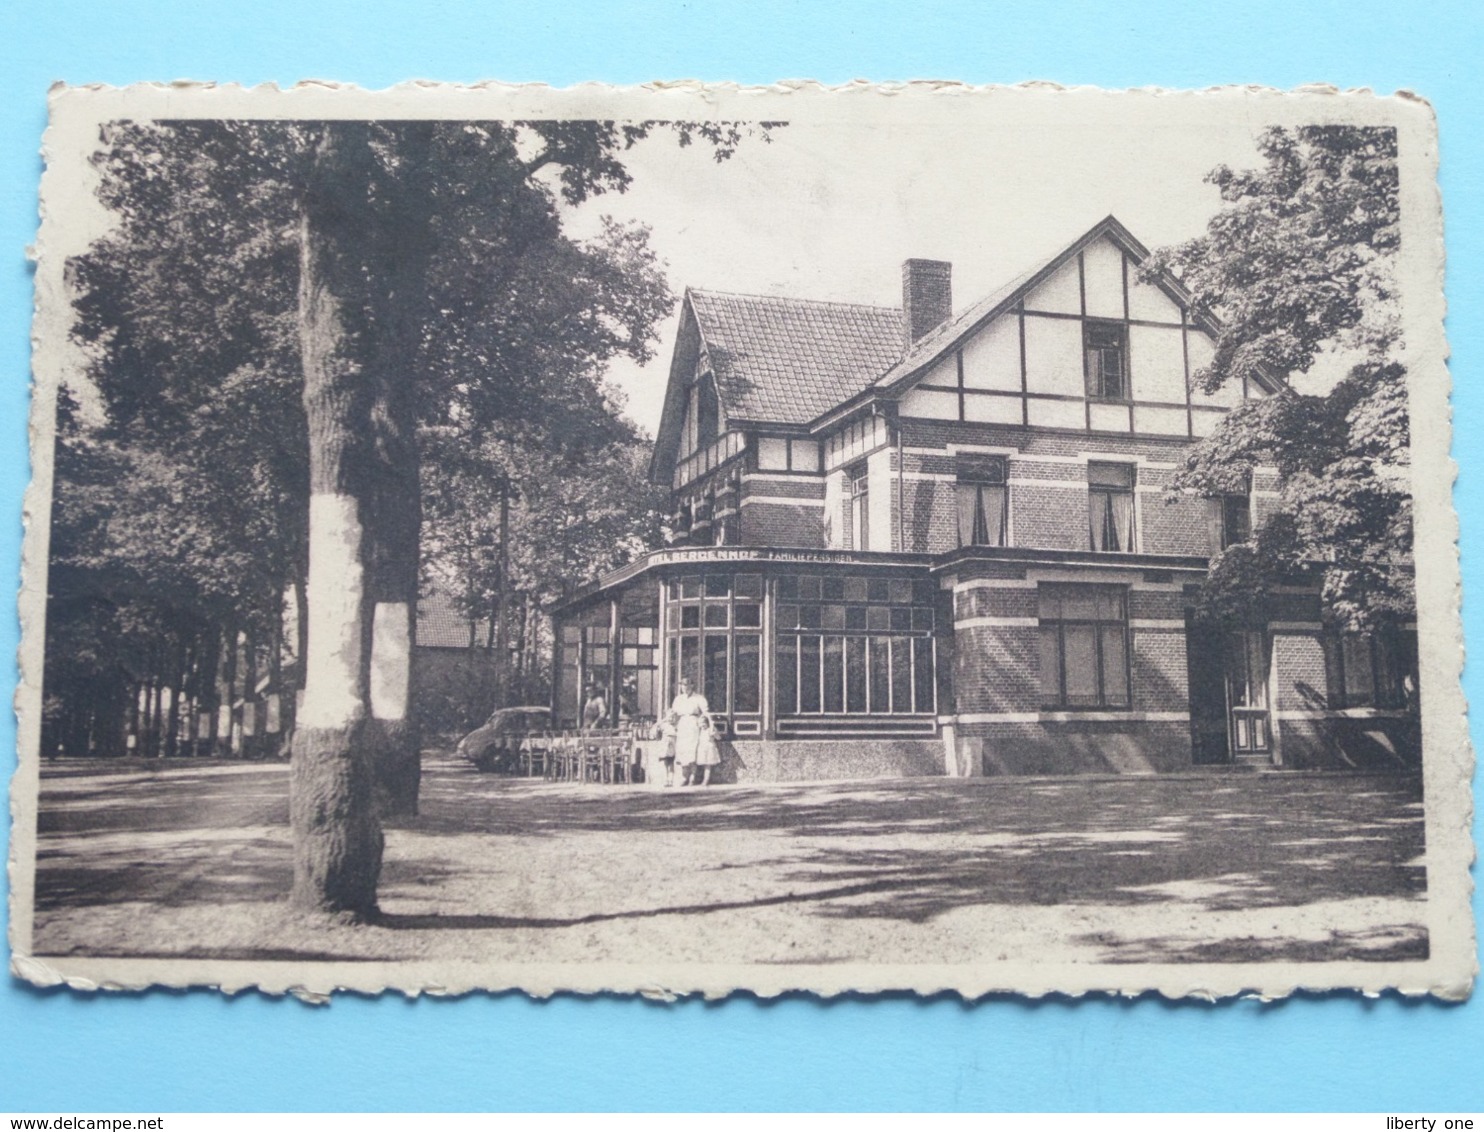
[[393, 643], [207, 695], [226, 688], [401, 250], [337, 835]]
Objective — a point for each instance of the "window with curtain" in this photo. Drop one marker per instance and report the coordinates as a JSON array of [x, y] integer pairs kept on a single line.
[[1110, 506], [1084, 646], [983, 502], [1106, 345]]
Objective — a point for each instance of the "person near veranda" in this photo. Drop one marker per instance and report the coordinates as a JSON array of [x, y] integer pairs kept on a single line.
[[595, 710], [695, 747]]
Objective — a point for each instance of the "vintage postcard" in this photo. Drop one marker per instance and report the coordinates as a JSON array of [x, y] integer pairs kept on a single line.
[[687, 539]]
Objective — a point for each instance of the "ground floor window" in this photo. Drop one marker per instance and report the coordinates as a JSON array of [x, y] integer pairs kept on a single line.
[[1084, 646], [638, 672], [854, 645], [589, 658], [713, 632], [1371, 669]]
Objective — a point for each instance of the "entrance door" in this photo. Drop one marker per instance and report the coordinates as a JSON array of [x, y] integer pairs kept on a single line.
[[1247, 695], [1205, 667]]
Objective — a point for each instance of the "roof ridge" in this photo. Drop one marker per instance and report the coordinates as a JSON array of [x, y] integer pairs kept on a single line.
[[794, 299]]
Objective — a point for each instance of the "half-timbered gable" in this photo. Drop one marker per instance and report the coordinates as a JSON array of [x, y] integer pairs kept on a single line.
[[926, 540]]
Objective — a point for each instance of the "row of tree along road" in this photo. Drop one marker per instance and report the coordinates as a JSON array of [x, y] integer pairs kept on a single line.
[[284, 321]]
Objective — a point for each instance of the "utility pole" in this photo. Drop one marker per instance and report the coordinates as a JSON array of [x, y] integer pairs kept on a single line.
[[502, 602]]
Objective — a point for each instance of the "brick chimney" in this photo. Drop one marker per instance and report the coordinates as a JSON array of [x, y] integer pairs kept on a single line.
[[927, 297]]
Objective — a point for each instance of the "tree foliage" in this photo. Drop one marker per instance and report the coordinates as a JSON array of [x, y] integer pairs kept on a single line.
[[1297, 272], [182, 468]]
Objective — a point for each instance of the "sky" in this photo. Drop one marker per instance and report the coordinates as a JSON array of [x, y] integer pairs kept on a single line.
[[830, 210], [828, 207]]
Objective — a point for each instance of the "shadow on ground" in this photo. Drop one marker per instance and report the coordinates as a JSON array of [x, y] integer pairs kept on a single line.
[[1220, 867]]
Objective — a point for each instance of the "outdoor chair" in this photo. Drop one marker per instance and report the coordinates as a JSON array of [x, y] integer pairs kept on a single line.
[[569, 759], [535, 750], [613, 769]]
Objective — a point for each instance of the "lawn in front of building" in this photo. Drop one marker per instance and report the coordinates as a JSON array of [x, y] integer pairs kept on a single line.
[[190, 858]]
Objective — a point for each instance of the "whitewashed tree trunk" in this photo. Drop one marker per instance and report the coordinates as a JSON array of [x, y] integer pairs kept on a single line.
[[337, 835]]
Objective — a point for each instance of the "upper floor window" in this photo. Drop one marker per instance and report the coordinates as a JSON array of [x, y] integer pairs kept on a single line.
[[1110, 506], [1236, 519], [1106, 346], [781, 454], [860, 507], [983, 502]]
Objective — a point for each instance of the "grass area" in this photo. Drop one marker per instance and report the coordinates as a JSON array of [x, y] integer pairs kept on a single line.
[[193, 859]]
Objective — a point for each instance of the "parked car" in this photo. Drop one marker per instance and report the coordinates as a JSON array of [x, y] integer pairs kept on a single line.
[[495, 745]]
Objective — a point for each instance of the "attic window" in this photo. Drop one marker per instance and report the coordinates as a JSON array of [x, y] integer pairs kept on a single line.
[[1106, 347]]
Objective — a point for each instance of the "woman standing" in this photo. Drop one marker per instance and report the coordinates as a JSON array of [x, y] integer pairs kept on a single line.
[[694, 745]]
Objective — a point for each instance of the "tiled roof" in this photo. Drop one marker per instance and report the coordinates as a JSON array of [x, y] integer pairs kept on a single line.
[[789, 360], [441, 626], [927, 347]]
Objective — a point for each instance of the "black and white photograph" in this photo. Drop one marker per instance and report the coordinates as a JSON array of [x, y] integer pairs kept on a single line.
[[697, 539]]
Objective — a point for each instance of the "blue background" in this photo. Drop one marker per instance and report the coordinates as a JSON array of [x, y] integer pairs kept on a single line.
[[200, 1051]]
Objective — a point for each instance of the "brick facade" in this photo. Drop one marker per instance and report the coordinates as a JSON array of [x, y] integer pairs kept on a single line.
[[918, 397], [1131, 746]]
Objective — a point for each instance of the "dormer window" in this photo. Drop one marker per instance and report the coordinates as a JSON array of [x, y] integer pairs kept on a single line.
[[1106, 347]]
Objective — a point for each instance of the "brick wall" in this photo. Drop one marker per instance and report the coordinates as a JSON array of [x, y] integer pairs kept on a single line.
[[918, 433], [782, 524], [767, 760], [769, 521], [1299, 672], [1383, 743], [1048, 501], [783, 486], [995, 601], [1125, 747], [997, 668], [1160, 681], [1186, 526], [1162, 604], [1181, 527]]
